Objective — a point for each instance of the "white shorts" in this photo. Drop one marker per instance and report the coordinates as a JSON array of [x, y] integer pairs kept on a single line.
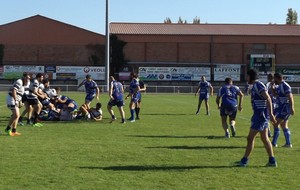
[[12, 103]]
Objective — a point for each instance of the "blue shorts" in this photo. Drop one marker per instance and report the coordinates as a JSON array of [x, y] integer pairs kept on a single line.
[[89, 97], [283, 112], [228, 110], [203, 97], [118, 103], [259, 122], [136, 98]]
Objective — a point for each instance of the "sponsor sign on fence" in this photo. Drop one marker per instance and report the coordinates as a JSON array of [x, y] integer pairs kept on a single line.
[[173, 73], [54, 72], [228, 70]]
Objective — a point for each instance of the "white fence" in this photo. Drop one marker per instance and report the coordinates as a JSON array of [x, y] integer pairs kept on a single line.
[[150, 89]]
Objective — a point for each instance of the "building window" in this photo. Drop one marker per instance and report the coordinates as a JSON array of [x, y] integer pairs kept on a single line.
[[260, 46]]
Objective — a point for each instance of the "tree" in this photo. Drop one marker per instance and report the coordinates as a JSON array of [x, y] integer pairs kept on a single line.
[[180, 21], [97, 53], [117, 54], [196, 20], [168, 20], [292, 17]]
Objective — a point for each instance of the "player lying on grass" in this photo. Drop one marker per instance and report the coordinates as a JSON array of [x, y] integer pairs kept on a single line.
[[90, 113]]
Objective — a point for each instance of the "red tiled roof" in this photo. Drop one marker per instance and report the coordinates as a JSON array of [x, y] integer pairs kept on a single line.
[[205, 29], [42, 30]]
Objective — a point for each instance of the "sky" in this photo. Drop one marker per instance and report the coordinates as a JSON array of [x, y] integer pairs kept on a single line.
[[90, 14]]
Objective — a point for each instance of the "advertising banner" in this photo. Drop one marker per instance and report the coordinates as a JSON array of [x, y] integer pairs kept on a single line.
[[74, 72], [223, 71], [290, 74], [16, 71], [54, 72], [173, 73]]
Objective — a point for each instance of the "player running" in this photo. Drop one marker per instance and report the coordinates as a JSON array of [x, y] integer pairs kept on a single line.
[[203, 90], [285, 100], [13, 101], [91, 89], [262, 112], [229, 106], [116, 92]]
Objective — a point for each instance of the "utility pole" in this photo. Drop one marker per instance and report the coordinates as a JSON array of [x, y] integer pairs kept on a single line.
[[107, 57]]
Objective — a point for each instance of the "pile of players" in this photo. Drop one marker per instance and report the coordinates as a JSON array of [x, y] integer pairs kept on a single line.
[[42, 102]]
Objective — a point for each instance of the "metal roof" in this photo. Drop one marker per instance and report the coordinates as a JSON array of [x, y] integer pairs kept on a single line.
[[205, 29]]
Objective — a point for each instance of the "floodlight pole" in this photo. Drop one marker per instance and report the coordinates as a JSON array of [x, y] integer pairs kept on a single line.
[[107, 57]]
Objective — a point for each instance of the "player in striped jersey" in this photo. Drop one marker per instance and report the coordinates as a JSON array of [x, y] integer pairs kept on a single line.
[[33, 98], [285, 102], [14, 102], [262, 113]]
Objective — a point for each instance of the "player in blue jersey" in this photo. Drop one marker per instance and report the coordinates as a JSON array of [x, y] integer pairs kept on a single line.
[[134, 94], [65, 102], [116, 92], [262, 113], [285, 102], [91, 89], [204, 89], [138, 105], [229, 94]]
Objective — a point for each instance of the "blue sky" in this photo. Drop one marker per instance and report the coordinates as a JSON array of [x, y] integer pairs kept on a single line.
[[90, 14]]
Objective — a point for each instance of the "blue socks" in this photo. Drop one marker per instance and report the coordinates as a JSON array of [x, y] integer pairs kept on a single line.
[[132, 114], [275, 136], [287, 135]]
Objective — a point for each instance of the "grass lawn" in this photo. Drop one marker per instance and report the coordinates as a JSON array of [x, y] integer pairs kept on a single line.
[[169, 148]]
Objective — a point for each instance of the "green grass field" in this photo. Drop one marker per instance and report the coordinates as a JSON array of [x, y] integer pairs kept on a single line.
[[169, 148]]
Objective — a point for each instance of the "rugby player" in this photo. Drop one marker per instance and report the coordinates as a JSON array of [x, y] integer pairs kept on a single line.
[[229, 95], [262, 113]]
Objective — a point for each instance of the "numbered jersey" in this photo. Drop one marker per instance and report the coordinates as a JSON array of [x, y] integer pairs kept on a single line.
[[229, 94], [117, 92]]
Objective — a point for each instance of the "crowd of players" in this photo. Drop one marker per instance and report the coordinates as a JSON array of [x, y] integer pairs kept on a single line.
[[270, 102], [43, 103]]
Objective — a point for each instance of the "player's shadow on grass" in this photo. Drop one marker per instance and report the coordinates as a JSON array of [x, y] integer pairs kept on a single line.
[[166, 114], [197, 147], [162, 168], [154, 168], [182, 137]]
